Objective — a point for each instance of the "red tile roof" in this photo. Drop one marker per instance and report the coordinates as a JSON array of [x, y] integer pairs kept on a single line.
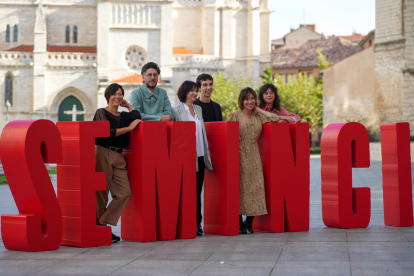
[[351, 37], [60, 49], [134, 78], [183, 51], [335, 49]]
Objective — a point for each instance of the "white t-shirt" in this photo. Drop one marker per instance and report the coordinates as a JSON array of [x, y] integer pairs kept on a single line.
[[199, 131]]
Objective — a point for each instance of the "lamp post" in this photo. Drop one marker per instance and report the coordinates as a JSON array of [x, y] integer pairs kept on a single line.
[[7, 111]]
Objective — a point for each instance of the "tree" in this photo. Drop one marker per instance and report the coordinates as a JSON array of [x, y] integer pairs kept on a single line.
[[226, 92], [267, 76], [302, 97], [322, 60]]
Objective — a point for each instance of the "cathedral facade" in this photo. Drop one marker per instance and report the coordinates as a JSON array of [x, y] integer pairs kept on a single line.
[[56, 54]]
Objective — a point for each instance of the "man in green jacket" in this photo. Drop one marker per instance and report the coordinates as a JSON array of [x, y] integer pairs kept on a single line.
[[151, 101]]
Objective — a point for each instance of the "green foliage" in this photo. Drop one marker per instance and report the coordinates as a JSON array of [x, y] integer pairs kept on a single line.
[[267, 76], [3, 179], [226, 93], [322, 61], [302, 97]]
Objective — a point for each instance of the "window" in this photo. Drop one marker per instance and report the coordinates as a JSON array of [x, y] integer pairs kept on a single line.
[[8, 33], [67, 34], [135, 58], [8, 96], [75, 34], [15, 30]]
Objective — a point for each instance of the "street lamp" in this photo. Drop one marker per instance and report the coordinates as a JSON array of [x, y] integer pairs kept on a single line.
[[7, 111]]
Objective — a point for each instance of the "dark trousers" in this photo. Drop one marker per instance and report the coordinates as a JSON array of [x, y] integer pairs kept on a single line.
[[200, 181]]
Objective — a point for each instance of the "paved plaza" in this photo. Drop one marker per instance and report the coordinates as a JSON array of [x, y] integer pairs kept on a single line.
[[376, 250]]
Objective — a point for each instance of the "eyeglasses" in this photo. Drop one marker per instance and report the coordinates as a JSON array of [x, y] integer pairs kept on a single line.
[[149, 75]]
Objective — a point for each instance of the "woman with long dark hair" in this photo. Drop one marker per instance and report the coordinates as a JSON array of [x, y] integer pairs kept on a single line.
[[269, 101]]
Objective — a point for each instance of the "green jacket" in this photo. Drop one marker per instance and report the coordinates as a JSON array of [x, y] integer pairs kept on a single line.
[[151, 106]]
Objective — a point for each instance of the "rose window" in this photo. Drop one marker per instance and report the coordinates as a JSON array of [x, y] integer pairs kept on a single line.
[[135, 57]]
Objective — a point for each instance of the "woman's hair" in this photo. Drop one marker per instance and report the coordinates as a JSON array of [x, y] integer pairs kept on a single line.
[[244, 94], [111, 90], [185, 88], [263, 89]]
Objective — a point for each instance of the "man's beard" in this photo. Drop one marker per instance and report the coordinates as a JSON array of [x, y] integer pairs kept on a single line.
[[149, 86]]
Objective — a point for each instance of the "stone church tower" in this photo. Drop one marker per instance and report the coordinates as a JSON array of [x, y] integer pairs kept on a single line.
[[394, 61]]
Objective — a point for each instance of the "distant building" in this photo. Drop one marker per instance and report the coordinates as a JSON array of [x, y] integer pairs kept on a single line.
[[376, 86], [355, 37], [289, 62], [58, 53]]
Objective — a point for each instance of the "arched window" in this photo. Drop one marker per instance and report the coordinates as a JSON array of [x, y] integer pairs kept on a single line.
[[67, 34], [8, 96], [15, 30], [8, 33], [75, 34]]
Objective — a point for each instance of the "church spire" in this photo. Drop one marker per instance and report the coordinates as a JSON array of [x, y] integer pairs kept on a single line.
[[40, 25]]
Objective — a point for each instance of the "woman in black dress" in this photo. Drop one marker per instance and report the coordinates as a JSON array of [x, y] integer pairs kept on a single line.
[[109, 158]]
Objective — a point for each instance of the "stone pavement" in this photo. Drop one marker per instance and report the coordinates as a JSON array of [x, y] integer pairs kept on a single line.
[[377, 250]]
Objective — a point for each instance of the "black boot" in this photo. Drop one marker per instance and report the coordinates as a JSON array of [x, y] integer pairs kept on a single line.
[[249, 224], [242, 229]]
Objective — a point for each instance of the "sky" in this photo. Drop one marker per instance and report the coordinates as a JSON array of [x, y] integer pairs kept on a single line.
[[330, 16]]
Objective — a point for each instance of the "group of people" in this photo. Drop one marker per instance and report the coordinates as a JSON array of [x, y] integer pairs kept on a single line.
[[151, 103]]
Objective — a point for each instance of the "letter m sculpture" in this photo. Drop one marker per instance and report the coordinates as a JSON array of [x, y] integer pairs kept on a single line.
[[161, 161]]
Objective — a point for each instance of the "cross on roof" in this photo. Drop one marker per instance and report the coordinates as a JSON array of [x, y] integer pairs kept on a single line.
[[74, 112]]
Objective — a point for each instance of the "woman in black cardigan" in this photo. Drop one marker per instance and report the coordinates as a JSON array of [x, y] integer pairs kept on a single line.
[[109, 158]]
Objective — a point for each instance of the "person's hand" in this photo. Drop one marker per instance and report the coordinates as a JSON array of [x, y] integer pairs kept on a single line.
[[166, 118], [124, 103], [286, 119], [134, 124], [257, 110]]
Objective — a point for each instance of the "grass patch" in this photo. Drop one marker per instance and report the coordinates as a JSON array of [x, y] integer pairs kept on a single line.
[[3, 179]]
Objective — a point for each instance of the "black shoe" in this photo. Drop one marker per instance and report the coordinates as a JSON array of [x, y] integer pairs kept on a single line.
[[249, 224], [242, 226], [115, 238], [199, 230]]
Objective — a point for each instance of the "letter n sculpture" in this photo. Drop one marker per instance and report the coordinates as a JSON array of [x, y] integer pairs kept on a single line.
[[285, 158]]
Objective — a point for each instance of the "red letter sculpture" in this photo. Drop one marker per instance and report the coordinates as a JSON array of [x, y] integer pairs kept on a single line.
[[344, 145], [25, 146], [396, 174], [78, 182], [285, 158], [161, 162], [221, 185]]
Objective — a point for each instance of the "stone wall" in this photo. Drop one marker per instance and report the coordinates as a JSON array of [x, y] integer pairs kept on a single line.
[[187, 26], [22, 15], [22, 100], [120, 40], [348, 90], [83, 17], [394, 61]]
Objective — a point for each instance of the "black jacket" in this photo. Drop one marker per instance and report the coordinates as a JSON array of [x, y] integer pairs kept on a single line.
[[216, 107]]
